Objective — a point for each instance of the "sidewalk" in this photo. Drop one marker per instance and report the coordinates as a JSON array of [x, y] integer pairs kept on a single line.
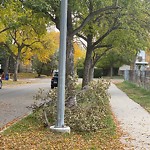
[[132, 118]]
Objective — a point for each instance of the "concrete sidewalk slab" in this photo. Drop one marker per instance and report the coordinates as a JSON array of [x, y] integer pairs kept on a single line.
[[133, 119]]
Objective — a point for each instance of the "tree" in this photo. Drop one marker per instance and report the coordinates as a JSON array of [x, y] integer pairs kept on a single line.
[[2, 27], [75, 23], [116, 58], [45, 57], [111, 30], [4, 58], [24, 33]]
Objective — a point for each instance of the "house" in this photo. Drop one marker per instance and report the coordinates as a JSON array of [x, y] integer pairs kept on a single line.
[[143, 57], [142, 61]]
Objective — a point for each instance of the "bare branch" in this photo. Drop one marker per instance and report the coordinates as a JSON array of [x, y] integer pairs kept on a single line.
[[28, 45], [4, 30], [81, 36], [14, 37], [103, 46], [104, 35]]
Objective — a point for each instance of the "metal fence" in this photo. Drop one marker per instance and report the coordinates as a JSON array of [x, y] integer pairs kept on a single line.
[[141, 78]]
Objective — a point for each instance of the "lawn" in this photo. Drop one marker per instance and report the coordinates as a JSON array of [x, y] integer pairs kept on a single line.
[[30, 134], [22, 79], [138, 94]]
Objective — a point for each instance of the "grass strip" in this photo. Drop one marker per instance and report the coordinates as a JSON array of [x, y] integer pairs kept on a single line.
[[30, 134], [138, 94]]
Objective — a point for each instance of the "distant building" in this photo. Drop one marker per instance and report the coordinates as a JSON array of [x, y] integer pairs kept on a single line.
[[123, 68], [143, 58]]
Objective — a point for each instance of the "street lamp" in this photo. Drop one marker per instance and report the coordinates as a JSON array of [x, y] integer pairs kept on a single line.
[[60, 126]]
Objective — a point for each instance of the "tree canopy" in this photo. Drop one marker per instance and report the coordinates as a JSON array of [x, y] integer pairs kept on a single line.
[[105, 25], [26, 34], [125, 28]]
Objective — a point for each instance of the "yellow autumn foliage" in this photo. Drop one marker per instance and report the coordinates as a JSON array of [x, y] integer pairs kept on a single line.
[[79, 52], [3, 34], [48, 46], [43, 49]]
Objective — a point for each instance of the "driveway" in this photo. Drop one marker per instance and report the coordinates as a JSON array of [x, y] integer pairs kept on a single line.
[[133, 120], [14, 100]]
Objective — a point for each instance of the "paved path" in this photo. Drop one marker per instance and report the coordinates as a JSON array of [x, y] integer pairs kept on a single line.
[[133, 120]]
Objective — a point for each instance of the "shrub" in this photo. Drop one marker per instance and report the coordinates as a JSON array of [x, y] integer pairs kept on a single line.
[[92, 108], [91, 112]]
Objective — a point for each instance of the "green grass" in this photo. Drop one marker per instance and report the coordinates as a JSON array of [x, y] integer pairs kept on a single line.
[[138, 94], [27, 75], [24, 125]]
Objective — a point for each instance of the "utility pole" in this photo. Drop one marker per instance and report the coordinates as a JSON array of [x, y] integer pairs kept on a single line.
[[60, 126]]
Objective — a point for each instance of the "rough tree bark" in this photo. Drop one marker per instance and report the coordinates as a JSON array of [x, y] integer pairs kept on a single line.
[[91, 73], [17, 63], [87, 62]]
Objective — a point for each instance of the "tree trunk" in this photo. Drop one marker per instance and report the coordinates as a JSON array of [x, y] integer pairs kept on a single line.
[[6, 65], [70, 86], [91, 74], [17, 62], [111, 71], [40, 70], [69, 59], [87, 64]]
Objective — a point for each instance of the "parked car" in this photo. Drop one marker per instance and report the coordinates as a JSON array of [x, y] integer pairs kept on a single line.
[[54, 80], [0, 83]]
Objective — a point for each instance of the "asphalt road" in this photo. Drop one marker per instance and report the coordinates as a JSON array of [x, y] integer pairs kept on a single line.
[[15, 99]]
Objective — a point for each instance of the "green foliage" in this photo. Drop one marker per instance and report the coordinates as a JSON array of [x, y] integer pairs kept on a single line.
[[125, 30], [42, 68], [80, 72], [116, 58], [92, 110], [98, 72], [91, 114]]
